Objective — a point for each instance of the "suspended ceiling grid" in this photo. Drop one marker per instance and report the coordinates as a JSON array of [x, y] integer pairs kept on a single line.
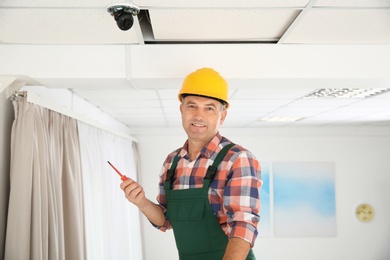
[[153, 103]]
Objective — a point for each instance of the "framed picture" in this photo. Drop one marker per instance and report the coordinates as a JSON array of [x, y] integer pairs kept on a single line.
[[304, 199]]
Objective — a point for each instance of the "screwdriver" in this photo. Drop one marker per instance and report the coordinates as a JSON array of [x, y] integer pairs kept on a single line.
[[123, 177]]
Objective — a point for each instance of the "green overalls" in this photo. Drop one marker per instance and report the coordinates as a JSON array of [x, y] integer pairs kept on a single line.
[[197, 232]]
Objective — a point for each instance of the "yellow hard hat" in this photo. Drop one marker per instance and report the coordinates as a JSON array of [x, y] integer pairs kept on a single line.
[[205, 82]]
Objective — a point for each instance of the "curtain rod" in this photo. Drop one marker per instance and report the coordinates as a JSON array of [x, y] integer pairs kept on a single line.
[[38, 100]]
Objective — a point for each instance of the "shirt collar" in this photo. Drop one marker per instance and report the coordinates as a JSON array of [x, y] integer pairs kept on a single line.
[[208, 150]]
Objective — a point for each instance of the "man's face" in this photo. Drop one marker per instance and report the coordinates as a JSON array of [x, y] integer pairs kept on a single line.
[[201, 117]]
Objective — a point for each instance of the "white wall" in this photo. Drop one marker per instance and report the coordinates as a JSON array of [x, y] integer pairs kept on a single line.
[[362, 169], [6, 118]]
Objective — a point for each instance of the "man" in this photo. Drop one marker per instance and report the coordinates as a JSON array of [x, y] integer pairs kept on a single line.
[[209, 188]]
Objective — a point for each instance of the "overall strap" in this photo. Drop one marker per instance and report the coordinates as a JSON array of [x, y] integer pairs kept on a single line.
[[171, 171], [212, 170]]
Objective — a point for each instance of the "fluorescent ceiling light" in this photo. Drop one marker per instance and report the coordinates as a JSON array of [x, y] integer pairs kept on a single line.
[[280, 118], [346, 92]]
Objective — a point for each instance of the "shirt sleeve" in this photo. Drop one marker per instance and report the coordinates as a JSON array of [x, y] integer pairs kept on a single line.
[[241, 200], [161, 198]]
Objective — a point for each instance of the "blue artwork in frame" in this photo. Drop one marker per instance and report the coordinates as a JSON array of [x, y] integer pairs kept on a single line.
[[304, 199], [264, 225]]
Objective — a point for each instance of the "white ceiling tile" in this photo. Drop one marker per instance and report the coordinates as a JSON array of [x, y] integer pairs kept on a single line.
[[385, 95], [244, 111], [244, 116], [114, 94], [374, 102], [309, 110], [170, 104], [123, 112], [233, 125], [220, 24], [352, 3], [143, 117], [263, 124], [301, 114], [334, 116], [176, 116], [175, 121], [259, 102], [170, 94], [376, 117], [62, 26], [50, 3], [148, 124], [172, 109], [271, 92], [223, 3], [359, 109], [343, 26], [326, 102], [173, 124], [126, 104]]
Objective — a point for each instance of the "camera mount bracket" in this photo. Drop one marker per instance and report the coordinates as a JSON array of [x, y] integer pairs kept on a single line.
[[123, 7]]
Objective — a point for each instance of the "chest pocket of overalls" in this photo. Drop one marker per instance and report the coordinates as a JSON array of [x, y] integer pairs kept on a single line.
[[186, 210]]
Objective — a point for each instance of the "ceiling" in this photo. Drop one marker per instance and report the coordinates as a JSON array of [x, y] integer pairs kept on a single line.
[[265, 49]]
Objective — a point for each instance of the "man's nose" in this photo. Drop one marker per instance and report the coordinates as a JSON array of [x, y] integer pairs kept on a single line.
[[199, 113]]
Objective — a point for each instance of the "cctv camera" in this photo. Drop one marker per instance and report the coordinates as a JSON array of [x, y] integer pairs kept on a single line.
[[123, 14]]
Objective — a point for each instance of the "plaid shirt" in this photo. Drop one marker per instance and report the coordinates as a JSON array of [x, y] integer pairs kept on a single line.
[[234, 194]]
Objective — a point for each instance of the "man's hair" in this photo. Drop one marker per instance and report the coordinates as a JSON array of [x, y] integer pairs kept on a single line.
[[224, 104]]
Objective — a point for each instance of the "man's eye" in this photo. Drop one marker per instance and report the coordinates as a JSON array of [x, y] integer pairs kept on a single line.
[[209, 108]]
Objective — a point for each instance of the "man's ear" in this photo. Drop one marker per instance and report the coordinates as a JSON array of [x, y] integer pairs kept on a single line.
[[223, 116]]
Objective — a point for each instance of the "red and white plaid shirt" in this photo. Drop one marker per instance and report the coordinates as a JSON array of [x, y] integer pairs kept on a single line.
[[234, 194]]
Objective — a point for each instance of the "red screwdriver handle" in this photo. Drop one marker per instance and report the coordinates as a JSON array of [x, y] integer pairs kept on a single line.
[[123, 177]]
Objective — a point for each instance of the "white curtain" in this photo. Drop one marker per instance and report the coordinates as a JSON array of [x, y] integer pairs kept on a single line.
[[65, 201], [112, 224], [45, 215]]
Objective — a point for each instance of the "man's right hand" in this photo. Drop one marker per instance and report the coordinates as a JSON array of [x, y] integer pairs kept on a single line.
[[134, 192], [136, 195]]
